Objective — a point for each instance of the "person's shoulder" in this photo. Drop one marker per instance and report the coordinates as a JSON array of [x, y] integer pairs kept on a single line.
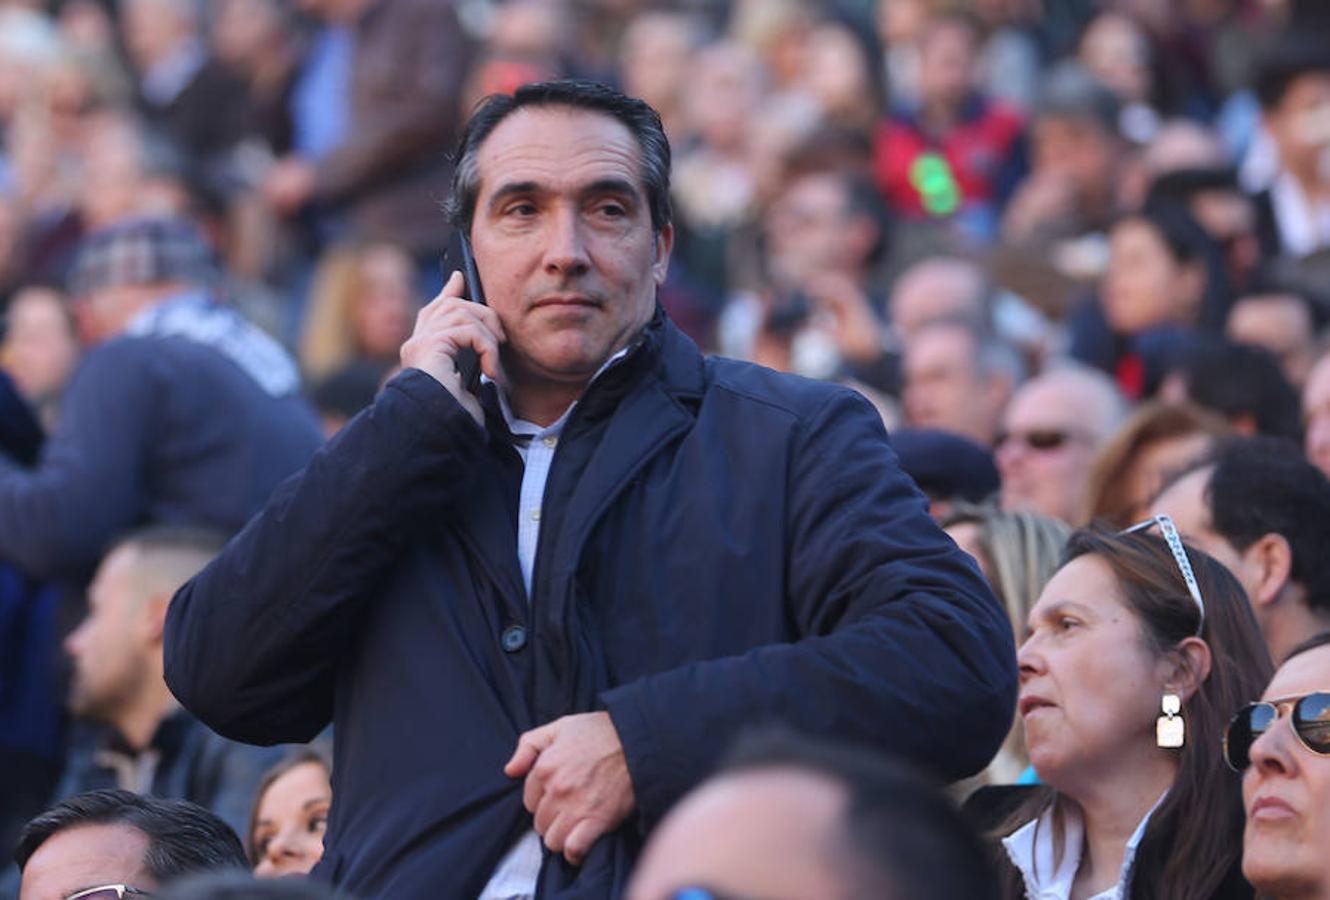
[[799, 397]]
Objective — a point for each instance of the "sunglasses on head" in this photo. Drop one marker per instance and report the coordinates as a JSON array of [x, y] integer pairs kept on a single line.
[[1309, 715], [1170, 535], [1041, 439], [108, 892]]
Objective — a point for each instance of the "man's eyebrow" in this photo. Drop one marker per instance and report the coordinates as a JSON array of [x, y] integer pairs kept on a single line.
[[619, 186], [511, 189]]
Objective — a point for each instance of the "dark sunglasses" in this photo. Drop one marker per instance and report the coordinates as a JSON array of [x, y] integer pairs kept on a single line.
[[108, 892], [1041, 439], [1310, 717]]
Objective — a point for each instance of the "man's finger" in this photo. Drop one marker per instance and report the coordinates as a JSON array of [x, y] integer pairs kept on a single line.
[[579, 841], [543, 816], [529, 745], [557, 833]]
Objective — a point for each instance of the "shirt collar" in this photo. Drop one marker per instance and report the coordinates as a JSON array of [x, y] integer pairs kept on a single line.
[[521, 428], [1031, 850]]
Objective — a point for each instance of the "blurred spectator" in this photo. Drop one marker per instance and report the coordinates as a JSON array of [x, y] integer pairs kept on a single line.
[[959, 379], [1132, 809], [1316, 414], [840, 74], [375, 113], [1116, 50], [1159, 440], [138, 738], [527, 42], [793, 818], [656, 61], [40, 349], [255, 40], [1051, 431], [1293, 85], [1213, 199], [182, 91], [361, 310], [182, 413], [1286, 322], [1076, 156], [339, 396], [1010, 60], [954, 153], [1163, 283], [948, 468], [290, 815], [824, 236], [937, 289], [1281, 748], [129, 843], [1017, 552], [1260, 509], [1241, 382]]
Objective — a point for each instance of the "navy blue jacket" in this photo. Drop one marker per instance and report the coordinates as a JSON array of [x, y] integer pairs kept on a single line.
[[158, 429], [720, 545]]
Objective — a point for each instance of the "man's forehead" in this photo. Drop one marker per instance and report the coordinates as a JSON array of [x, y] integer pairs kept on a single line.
[[546, 143], [1308, 671]]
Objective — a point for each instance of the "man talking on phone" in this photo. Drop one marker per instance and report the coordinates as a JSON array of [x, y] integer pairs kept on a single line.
[[538, 614]]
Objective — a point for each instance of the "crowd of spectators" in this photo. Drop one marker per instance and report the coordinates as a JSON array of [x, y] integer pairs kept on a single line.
[[1076, 253]]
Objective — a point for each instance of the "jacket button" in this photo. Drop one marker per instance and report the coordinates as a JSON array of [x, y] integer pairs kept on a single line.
[[513, 638]]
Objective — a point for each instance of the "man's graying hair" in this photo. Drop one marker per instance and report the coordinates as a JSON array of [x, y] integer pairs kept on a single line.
[[183, 837], [636, 116]]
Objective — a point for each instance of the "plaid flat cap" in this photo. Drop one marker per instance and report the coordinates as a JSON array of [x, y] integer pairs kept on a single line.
[[141, 251]]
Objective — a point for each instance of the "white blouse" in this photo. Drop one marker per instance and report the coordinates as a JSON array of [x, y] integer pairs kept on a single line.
[[1030, 849]]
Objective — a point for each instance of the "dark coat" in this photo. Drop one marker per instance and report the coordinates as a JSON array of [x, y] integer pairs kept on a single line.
[[153, 429], [720, 545]]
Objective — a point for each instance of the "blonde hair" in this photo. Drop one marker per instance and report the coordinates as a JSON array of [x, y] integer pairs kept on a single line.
[[1021, 552]]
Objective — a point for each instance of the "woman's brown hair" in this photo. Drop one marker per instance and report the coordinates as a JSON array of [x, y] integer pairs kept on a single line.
[[1195, 835], [309, 753]]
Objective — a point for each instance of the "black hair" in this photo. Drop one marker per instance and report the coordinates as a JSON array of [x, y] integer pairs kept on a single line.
[[638, 117], [1263, 486], [183, 837], [904, 837], [1242, 380], [1316, 640], [1190, 244], [1180, 186], [1291, 55], [243, 886]]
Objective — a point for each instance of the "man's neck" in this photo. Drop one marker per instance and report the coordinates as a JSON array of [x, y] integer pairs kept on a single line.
[[1292, 623], [138, 723]]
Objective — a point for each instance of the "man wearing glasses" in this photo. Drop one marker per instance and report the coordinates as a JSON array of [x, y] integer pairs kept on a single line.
[[1050, 433], [113, 844], [1282, 747]]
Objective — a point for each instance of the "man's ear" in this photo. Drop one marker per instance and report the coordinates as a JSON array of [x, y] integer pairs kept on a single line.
[[1269, 564], [154, 617], [664, 246]]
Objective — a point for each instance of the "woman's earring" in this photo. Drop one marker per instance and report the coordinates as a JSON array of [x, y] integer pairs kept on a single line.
[[1170, 732]]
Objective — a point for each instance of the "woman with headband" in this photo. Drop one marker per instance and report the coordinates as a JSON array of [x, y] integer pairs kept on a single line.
[[1136, 653]]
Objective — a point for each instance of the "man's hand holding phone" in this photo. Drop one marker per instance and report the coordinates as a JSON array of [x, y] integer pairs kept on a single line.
[[448, 325]]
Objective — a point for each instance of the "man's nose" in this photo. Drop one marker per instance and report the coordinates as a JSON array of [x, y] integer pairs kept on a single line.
[[1029, 660], [565, 245]]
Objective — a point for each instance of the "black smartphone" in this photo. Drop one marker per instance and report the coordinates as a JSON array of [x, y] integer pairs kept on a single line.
[[460, 257]]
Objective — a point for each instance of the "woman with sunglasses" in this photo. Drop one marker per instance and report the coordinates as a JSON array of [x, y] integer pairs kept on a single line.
[[1282, 747], [1137, 650]]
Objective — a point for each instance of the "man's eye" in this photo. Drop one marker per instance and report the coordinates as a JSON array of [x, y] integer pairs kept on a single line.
[[1066, 623], [613, 210], [318, 824], [521, 209]]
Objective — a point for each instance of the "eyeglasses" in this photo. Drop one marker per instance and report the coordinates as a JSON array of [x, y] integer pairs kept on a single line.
[[1042, 440], [108, 892], [1310, 715], [1170, 533]]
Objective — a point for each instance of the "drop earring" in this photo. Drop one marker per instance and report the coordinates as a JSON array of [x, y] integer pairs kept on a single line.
[[1170, 732]]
